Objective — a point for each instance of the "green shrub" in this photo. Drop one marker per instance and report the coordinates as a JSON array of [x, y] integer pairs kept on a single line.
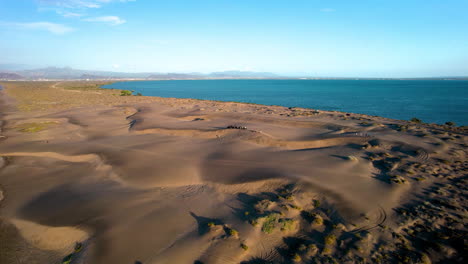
[[318, 220], [312, 249], [296, 207], [270, 223], [316, 203], [232, 232], [450, 124], [35, 127], [125, 93], [302, 247], [330, 239], [287, 224], [67, 259], [253, 222], [78, 247], [296, 258], [416, 120], [326, 251], [244, 246]]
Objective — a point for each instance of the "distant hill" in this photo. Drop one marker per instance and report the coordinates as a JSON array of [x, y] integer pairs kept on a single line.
[[10, 76], [23, 72], [92, 77], [174, 76], [67, 73], [243, 74]]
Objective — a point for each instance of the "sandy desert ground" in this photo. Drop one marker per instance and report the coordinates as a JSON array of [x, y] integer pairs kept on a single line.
[[89, 176]]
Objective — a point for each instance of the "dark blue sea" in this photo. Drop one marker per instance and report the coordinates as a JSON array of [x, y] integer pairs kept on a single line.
[[433, 101]]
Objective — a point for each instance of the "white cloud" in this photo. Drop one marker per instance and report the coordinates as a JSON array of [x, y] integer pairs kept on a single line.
[[111, 20], [54, 28], [78, 9], [79, 3], [327, 10], [68, 14], [60, 11], [71, 3]]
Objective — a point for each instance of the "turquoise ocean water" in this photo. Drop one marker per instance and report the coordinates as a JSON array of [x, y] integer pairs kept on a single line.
[[433, 101]]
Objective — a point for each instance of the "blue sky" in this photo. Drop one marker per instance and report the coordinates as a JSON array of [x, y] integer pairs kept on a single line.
[[366, 38]]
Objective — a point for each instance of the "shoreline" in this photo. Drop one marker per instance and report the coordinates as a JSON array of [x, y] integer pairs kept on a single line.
[[167, 180], [442, 126]]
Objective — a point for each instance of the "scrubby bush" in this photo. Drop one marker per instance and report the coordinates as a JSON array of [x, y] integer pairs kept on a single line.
[[312, 249], [316, 203], [296, 258], [232, 232], [302, 247], [397, 179], [67, 259], [326, 251], [125, 93], [287, 224], [416, 120], [269, 223], [78, 247], [253, 222], [450, 124], [318, 220], [330, 239], [296, 207], [244, 246]]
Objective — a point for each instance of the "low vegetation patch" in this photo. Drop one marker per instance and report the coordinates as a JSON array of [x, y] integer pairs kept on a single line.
[[253, 222], [330, 239], [450, 124], [125, 93], [67, 259], [244, 246], [287, 224], [81, 86], [318, 220], [34, 127], [316, 203], [397, 179], [232, 232], [296, 258], [416, 120], [269, 223], [236, 127]]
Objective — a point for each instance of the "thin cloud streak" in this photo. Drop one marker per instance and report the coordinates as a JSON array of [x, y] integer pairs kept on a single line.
[[82, 4], [69, 14], [53, 28], [111, 20]]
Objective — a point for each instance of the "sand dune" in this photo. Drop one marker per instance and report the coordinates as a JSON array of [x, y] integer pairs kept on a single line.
[[152, 180]]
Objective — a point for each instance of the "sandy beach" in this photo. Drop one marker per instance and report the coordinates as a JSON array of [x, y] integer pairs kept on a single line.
[[137, 179]]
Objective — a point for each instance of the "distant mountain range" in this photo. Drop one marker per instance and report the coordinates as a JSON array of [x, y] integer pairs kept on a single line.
[[67, 73], [27, 72]]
